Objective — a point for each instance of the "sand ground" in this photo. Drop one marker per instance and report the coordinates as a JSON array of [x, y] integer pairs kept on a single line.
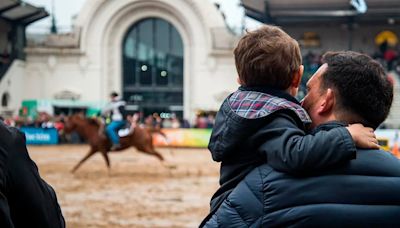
[[138, 192]]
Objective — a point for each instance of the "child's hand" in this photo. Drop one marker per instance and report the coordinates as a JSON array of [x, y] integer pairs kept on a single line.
[[363, 137]]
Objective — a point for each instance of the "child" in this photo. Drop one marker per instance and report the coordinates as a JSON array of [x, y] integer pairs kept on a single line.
[[263, 122]]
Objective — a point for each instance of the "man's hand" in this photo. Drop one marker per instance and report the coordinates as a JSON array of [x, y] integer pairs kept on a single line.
[[363, 137]]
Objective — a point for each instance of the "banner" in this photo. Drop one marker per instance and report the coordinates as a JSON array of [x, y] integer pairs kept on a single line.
[[40, 136], [183, 138], [200, 138]]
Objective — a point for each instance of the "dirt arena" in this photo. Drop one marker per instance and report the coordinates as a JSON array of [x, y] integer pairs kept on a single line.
[[138, 192]]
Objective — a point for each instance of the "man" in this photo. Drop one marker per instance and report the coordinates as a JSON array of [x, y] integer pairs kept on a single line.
[[25, 199], [116, 108], [349, 88]]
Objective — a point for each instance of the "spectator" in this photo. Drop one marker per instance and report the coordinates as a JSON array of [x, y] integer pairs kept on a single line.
[[201, 121], [210, 121], [167, 123], [390, 55], [175, 123], [26, 200], [185, 123]]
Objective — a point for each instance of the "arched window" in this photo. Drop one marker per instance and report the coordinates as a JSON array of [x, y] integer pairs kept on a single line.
[[153, 67], [5, 98]]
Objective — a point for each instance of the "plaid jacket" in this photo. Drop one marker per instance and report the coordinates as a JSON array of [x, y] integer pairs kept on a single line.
[[253, 104]]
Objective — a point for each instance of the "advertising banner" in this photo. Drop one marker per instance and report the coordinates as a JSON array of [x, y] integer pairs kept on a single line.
[[197, 138], [40, 136]]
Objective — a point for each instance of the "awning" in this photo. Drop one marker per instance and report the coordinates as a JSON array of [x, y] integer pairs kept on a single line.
[[20, 12], [297, 11]]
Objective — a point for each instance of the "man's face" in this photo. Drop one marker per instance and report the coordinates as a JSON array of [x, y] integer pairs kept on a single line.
[[312, 100]]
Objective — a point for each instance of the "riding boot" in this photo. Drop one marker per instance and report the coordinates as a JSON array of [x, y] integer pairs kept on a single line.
[[116, 147]]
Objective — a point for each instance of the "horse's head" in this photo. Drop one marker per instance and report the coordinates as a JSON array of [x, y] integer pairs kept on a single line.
[[73, 122]]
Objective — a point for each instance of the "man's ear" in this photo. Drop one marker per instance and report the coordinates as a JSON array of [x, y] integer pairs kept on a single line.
[[297, 77], [328, 102]]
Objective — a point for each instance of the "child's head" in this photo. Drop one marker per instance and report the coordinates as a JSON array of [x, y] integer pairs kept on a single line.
[[268, 57]]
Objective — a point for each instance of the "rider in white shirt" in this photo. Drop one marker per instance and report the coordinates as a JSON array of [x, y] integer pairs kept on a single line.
[[117, 109]]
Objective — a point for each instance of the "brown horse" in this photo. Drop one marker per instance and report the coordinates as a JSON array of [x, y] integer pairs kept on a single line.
[[93, 132]]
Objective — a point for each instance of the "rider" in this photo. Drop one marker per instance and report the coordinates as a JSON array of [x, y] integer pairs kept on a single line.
[[117, 110]]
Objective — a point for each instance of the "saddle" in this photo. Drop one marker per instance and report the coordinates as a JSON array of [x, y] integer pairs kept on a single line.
[[122, 132], [125, 132]]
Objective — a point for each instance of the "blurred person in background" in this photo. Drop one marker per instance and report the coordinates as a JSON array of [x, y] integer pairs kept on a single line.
[[157, 121], [167, 123], [175, 123], [390, 56], [210, 120], [201, 121], [154, 122], [59, 124], [149, 121], [10, 122], [133, 120], [185, 123], [46, 121]]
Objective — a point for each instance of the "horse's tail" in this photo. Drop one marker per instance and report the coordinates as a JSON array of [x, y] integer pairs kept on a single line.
[[160, 132]]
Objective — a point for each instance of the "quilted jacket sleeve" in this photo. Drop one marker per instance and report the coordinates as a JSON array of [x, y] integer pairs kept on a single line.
[[289, 149], [244, 206]]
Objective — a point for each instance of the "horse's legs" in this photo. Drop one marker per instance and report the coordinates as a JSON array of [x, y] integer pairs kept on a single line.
[[152, 151], [167, 141], [158, 131], [105, 156], [88, 155], [158, 155]]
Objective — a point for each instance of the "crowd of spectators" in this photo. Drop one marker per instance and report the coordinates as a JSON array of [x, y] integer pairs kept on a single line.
[[388, 56], [43, 120], [155, 120], [203, 120], [46, 121]]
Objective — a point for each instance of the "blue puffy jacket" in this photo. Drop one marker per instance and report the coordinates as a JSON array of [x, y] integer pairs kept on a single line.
[[364, 192]]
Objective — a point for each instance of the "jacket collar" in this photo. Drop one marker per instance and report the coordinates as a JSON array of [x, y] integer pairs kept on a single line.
[[271, 91], [328, 126]]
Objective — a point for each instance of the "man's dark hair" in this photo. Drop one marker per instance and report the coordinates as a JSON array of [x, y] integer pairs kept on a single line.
[[267, 57], [362, 86]]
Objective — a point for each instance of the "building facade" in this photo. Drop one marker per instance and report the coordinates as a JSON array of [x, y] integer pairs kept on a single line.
[[161, 55], [176, 56]]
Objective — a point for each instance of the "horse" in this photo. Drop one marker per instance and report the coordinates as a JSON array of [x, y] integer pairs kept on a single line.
[[92, 131]]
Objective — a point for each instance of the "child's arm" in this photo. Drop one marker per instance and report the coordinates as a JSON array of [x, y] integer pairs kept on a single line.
[[289, 149]]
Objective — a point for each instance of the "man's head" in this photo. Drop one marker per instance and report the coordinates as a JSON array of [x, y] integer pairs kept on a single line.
[[268, 57], [349, 87], [113, 95]]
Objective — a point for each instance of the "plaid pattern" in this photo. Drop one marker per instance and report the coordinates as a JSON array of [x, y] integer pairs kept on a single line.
[[252, 105]]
